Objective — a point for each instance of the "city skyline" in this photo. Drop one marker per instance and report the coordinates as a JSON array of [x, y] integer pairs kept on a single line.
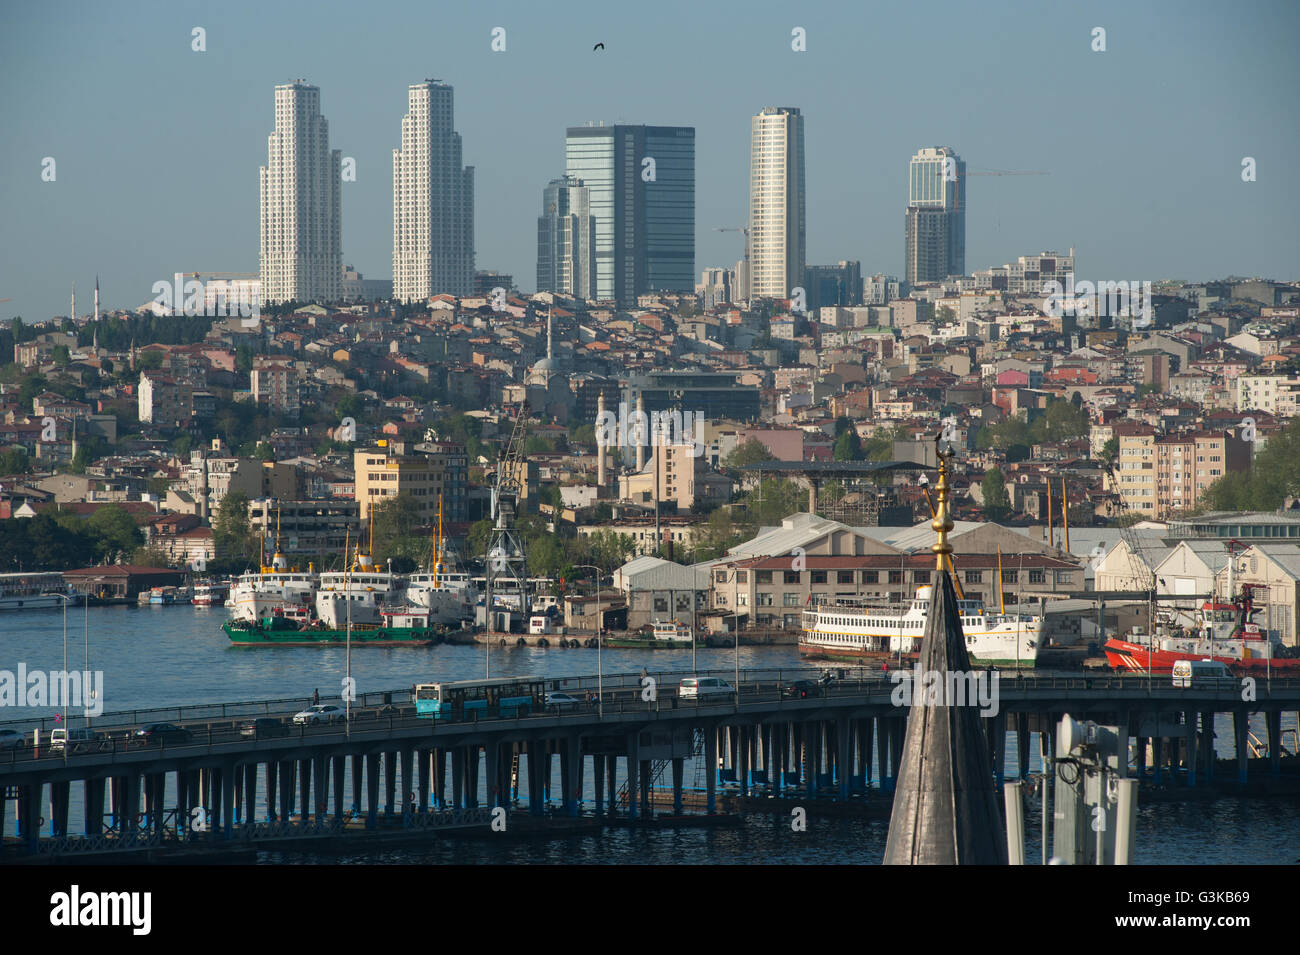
[[513, 111]]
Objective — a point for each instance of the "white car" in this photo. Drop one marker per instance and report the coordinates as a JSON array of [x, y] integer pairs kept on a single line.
[[12, 739], [320, 713], [562, 701], [693, 688]]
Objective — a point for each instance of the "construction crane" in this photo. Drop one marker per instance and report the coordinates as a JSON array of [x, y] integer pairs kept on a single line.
[[740, 293], [506, 559], [994, 172]]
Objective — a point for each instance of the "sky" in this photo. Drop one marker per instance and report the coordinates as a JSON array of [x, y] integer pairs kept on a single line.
[[156, 147]]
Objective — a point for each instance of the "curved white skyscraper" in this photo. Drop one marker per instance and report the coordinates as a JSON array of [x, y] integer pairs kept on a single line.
[[433, 200], [777, 243], [301, 246]]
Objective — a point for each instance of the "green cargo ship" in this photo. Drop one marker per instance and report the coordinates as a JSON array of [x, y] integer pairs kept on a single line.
[[398, 630]]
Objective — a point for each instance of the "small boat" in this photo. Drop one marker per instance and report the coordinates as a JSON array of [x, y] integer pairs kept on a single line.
[[663, 635], [210, 594], [36, 591]]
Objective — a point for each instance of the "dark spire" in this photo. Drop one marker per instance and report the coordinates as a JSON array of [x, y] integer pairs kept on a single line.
[[945, 805]]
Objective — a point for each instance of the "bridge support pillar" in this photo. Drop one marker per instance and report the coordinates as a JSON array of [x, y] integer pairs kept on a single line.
[[777, 750], [868, 745], [286, 790], [339, 764], [598, 778], [844, 760], [1022, 744], [458, 778], [471, 776], [885, 739], [250, 794], [1273, 720], [744, 749], [239, 793], [94, 803], [159, 802], [611, 766], [27, 826], [271, 768], [1157, 758], [633, 774], [372, 790], [390, 783], [710, 770], [321, 787], [423, 761], [998, 729], [567, 801], [59, 792], [229, 787], [1241, 728], [679, 767], [1207, 745], [410, 795], [131, 803], [573, 784], [1193, 746], [439, 778], [358, 780], [492, 757]]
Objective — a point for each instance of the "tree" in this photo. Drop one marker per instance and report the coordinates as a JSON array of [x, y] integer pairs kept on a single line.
[[14, 461], [1110, 451], [116, 533], [996, 502], [394, 522], [1274, 475], [750, 451], [232, 534]]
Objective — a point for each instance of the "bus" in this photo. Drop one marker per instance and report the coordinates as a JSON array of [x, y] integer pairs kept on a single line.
[[507, 697]]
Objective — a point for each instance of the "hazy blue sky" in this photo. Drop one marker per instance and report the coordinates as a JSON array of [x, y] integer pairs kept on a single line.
[[158, 147]]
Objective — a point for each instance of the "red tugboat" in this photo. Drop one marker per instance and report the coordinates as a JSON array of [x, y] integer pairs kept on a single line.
[[1224, 632]]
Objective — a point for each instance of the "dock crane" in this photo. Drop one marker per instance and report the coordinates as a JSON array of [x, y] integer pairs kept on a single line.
[[743, 293], [506, 558], [994, 172]]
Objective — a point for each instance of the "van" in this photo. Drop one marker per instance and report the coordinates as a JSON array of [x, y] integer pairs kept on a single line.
[[1189, 673], [74, 740], [692, 688]]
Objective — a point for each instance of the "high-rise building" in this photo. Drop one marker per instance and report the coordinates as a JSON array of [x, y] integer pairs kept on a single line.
[[839, 284], [566, 240], [302, 251], [641, 187], [433, 200], [777, 243], [936, 216]]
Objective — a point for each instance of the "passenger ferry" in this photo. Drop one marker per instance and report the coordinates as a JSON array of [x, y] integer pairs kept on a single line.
[[255, 595], [366, 589], [35, 591], [854, 630], [447, 596], [210, 594]]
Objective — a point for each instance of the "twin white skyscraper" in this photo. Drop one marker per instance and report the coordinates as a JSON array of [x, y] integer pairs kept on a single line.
[[433, 202]]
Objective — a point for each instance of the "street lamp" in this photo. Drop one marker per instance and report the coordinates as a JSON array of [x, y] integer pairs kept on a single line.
[[600, 673], [64, 719]]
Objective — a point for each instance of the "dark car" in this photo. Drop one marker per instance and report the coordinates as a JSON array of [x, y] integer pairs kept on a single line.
[[802, 689], [263, 727], [162, 733]]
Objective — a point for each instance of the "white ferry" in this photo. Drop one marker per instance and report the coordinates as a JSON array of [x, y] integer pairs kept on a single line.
[[851, 630], [35, 591], [447, 595], [256, 595], [210, 594], [366, 589]]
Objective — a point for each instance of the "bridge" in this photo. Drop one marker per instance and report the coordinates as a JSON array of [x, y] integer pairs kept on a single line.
[[220, 790]]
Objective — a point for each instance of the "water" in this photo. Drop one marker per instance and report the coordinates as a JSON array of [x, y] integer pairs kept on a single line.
[[173, 656]]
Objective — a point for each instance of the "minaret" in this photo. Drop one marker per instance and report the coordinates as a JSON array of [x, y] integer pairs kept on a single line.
[[600, 440], [96, 299], [945, 809], [549, 353], [74, 301], [642, 433]]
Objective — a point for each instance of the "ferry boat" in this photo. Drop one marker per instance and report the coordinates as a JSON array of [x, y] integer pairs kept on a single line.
[[396, 628], [1223, 632], [852, 630], [257, 594], [663, 635], [365, 589], [35, 591], [447, 595], [210, 594]]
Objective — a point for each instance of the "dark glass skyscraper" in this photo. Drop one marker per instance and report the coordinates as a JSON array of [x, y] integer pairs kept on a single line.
[[641, 182]]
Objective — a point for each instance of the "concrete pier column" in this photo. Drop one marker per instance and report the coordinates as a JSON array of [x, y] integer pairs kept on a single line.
[[94, 803], [611, 764], [548, 769], [711, 771], [844, 761], [743, 750], [59, 792], [777, 750], [321, 786], [372, 790], [440, 778], [567, 803], [1022, 744], [358, 779], [535, 798], [1193, 746], [572, 773], [228, 790], [679, 766], [340, 765], [250, 794], [150, 806], [410, 794], [647, 791], [579, 774], [1157, 758], [160, 802], [1273, 720], [999, 731], [287, 786], [423, 764], [598, 778], [1241, 727], [272, 790], [131, 803], [390, 783], [1208, 757], [633, 774], [27, 827], [868, 747], [492, 756], [471, 776], [813, 757], [887, 756], [239, 793]]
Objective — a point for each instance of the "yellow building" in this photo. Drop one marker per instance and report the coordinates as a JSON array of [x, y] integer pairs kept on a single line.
[[386, 471]]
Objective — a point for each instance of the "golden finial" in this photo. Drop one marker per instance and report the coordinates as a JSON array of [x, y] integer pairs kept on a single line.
[[942, 522]]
